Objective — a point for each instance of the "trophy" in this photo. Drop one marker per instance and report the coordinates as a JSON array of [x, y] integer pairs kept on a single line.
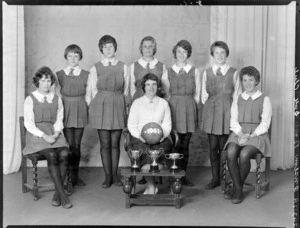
[[154, 154], [174, 156], [135, 154]]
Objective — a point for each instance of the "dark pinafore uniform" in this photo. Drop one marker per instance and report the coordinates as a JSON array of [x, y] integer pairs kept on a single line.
[[249, 118], [107, 109], [140, 72], [182, 103], [73, 90], [216, 110], [44, 117]]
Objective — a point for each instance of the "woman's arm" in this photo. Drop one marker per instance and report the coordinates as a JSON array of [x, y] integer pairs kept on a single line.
[[91, 89], [266, 117], [133, 120], [198, 86], [132, 81], [166, 84], [204, 94], [166, 124], [237, 85], [234, 123], [126, 80], [58, 125]]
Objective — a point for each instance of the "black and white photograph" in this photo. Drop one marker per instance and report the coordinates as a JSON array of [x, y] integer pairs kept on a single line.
[[150, 115]]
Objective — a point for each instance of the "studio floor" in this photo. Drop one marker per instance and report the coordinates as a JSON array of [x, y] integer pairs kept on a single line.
[[93, 205]]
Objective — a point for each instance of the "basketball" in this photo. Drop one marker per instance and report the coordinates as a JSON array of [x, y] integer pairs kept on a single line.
[[152, 133]]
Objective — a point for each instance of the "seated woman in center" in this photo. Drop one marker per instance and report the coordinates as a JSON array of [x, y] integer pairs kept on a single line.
[[146, 109]]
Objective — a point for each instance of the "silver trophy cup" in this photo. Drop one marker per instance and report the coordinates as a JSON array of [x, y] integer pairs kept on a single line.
[[154, 154], [174, 157], [135, 154]]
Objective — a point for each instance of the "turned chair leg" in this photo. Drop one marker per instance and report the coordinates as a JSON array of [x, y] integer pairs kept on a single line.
[[258, 186], [35, 180], [69, 182], [223, 174]]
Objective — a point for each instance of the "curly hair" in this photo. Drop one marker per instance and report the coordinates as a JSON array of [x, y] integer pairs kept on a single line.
[[251, 71], [43, 71], [147, 77]]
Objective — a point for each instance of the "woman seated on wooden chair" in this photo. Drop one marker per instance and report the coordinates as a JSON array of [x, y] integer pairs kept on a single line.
[[43, 115], [250, 120], [146, 109]]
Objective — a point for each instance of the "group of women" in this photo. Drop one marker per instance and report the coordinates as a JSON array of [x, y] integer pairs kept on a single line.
[[55, 121]]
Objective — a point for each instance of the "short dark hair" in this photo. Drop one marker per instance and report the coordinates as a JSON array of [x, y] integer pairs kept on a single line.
[[73, 48], [148, 38], [107, 39], [147, 77], [251, 71], [40, 73], [186, 45], [220, 44]]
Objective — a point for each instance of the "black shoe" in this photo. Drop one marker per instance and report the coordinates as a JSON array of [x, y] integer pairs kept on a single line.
[[80, 182], [142, 181], [185, 181], [237, 197], [228, 194], [213, 184], [117, 181], [107, 183]]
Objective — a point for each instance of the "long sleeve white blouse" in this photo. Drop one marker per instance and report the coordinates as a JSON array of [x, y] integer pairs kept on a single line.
[[92, 90], [144, 111], [224, 69], [187, 68], [265, 116], [29, 121]]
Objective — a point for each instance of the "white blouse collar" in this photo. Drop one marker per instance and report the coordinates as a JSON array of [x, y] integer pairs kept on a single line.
[[76, 71], [147, 99], [254, 96], [40, 97], [186, 68], [224, 68], [152, 63], [106, 61]]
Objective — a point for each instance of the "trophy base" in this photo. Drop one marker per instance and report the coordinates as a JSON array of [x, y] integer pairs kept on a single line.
[[135, 169], [176, 170], [154, 169]]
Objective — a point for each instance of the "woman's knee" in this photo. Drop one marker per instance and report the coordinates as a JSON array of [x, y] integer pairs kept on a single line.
[[64, 153], [247, 152], [232, 151]]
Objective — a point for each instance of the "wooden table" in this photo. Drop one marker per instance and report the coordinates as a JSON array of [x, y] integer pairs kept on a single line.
[[172, 199]]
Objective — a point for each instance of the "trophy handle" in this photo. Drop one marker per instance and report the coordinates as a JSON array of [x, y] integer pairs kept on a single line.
[[129, 153], [161, 150], [180, 156], [167, 156]]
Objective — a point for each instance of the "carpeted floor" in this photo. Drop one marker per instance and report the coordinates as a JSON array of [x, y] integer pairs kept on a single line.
[[93, 205]]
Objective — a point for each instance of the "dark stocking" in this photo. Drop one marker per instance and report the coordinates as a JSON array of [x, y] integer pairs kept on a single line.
[[247, 152], [216, 145], [57, 160], [183, 148], [105, 152], [74, 136], [115, 153]]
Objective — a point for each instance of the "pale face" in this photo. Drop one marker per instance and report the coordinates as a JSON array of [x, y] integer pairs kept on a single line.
[[181, 55], [109, 50], [150, 88], [73, 59], [148, 48], [249, 83], [219, 56], [44, 85]]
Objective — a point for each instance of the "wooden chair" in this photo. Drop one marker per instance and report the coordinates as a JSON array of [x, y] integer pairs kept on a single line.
[[259, 186], [34, 158]]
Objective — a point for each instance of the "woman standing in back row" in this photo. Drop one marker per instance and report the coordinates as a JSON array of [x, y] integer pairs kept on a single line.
[[220, 85], [182, 86], [107, 87]]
